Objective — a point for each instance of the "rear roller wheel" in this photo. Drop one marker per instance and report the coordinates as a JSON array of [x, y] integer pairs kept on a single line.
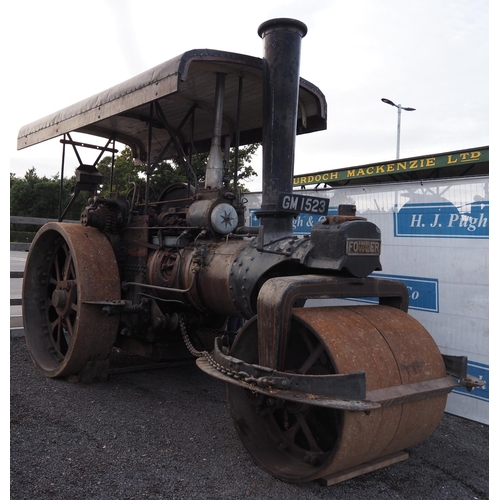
[[69, 267], [298, 442]]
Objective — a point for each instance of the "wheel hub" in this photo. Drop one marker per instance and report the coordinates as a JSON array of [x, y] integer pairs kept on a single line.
[[63, 296]]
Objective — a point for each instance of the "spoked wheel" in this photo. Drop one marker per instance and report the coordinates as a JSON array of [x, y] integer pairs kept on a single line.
[[300, 442], [69, 268]]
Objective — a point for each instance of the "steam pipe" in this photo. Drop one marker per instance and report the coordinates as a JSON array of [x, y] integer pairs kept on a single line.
[[214, 173], [281, 63]]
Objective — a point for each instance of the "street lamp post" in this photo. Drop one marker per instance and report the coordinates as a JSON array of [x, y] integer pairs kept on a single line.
[[387, 101]]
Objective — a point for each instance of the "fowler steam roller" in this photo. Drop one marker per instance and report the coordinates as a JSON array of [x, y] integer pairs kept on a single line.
[[313, 391]]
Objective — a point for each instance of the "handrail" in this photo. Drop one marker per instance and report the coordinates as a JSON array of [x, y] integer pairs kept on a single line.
[[36, 221], [31, 221]]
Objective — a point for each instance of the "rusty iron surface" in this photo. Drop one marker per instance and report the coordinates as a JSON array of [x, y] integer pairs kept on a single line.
[[393, 349], [68, 268], [278, 295], [300, 442]]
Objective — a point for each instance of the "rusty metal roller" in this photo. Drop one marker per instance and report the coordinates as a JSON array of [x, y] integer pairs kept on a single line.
[[298, 442], [393, 349]]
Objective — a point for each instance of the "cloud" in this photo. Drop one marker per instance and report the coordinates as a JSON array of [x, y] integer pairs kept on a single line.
[[126, 36]]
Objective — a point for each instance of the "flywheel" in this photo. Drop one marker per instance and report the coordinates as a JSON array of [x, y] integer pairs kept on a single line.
[[298, 442], [71, 271]]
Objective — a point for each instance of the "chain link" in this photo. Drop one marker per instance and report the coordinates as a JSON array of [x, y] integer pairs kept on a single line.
[[239, 375]]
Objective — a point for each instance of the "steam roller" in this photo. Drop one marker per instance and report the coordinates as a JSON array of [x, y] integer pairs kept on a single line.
[[316, 393]]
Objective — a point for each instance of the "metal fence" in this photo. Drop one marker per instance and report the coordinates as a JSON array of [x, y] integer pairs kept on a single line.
[[30, 221]]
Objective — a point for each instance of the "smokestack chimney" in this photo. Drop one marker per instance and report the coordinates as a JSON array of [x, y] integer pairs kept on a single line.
[[282, 41]]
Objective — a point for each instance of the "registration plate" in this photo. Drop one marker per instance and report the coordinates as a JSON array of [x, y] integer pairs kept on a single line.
[[296, 203]]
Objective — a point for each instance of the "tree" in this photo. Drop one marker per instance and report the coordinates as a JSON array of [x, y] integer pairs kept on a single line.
[[124, 173], [34, 196], [167, 172]]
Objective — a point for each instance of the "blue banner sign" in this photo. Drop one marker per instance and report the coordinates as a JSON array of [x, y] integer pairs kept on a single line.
[[442, 220], [302, 223], [423, 293]]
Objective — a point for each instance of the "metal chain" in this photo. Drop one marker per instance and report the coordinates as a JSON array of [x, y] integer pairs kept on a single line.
[[187, 341], [240, 375]]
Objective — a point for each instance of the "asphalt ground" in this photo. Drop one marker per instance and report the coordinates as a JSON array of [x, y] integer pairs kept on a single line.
[[167, 434]]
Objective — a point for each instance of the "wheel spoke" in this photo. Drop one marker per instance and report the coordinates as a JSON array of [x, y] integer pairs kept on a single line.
[[57, 270], [313, 445], [69, 268], [60, 343], [55, 327], [291, 432], [69, 324], [313, 357]]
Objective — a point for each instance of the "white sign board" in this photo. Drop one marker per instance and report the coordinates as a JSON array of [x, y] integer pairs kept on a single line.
[[434, 239]]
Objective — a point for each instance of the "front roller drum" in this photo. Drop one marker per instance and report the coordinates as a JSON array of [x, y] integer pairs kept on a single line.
[[71, 271], [297, 442]]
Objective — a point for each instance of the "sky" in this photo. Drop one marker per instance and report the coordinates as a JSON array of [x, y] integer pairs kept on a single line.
[[426, 54]]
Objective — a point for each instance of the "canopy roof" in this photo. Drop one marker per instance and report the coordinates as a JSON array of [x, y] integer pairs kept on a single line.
[[178, 87]]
